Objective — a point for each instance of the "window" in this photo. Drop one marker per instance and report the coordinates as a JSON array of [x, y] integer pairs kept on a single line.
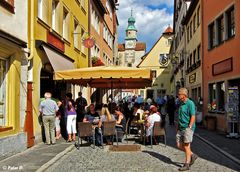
[[107, 36], [198, 16], [220, 29], [194, 23], [199, 52], [169, 41], [153, 74], [8, 4], [83, 4], [230, 22], [43, 10], [194, 56], [216, 97], [95, 21], [3, 77], [95, 51], [107, 60], [190, 60], [190, 30], [83, 48], [76, 34], [55, 18], [188, 63], [109, 8], [211, 36], [65, 24]]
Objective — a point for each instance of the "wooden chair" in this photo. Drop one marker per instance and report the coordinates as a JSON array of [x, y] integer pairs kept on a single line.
[[85, 129], [108, 129], [158, 130]]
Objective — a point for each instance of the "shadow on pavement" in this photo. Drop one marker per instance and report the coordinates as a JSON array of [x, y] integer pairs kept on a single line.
[[163, 158], [203, 150]]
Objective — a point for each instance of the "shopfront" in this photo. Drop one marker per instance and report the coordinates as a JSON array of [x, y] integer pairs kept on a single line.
[[13, 94]]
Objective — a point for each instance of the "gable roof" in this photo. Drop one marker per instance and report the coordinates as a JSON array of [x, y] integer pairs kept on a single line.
[[140, 46]]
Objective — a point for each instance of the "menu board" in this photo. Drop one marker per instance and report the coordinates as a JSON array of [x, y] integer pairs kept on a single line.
[[233, 110], [233, 103]]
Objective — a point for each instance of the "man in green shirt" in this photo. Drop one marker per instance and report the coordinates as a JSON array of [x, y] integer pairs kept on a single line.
[[186, 127]]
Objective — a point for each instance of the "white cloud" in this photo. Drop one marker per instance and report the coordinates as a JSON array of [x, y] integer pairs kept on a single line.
[[152, 18]]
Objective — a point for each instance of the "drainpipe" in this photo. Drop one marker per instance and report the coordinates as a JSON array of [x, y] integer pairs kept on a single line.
[[89, 28], [28, 127]]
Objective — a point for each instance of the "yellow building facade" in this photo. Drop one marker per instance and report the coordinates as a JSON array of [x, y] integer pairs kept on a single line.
[[157, 59], [13, 76], [57, 30]]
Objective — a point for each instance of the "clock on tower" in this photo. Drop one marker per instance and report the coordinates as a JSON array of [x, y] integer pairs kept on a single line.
[[130, 44]]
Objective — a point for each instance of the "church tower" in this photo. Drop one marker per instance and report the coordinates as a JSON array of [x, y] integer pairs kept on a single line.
[[130, 41], [131, 51], [131, 33]]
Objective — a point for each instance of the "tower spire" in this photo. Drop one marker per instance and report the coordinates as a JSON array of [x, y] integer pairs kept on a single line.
[[131, 12]]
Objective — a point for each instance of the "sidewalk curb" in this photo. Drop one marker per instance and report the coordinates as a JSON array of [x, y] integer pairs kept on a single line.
[[218, 149], [53, 160], [20, 153]]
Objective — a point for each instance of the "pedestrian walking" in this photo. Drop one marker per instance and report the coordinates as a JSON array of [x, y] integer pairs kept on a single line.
[[48, 109], [185, 128], [71, 118], [81, 103]]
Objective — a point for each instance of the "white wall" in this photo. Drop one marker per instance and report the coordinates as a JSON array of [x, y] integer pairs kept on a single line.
[[15, 24]]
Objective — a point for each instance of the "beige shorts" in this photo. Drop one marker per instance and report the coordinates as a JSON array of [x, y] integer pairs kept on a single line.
[[184, 136]]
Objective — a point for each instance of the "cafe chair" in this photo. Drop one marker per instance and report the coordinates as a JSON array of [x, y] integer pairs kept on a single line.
[[158, 130], [109, 129], [85, 129]]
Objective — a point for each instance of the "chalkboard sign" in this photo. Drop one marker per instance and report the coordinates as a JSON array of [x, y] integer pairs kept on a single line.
[[233, 111]]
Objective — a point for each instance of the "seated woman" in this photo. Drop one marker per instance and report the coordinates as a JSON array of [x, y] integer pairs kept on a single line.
[[106, 117], [120, 121], [105, 114]]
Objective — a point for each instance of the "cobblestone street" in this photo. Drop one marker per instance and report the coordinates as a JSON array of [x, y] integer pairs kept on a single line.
[[160, 158]]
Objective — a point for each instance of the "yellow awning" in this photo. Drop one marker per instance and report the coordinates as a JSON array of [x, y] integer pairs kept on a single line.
[[107, 77]]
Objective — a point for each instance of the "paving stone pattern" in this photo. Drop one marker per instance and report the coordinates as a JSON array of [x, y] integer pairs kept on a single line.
[[160, 158]]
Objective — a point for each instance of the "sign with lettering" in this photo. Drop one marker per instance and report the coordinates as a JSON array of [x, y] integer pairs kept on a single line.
[[55, 41], [222, 67], [192, 78]]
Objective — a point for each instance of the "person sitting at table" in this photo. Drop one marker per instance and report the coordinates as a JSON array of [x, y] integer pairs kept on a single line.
[[105, 114], [153, 117], [120, 122], [106, 117], [137, 112], [93, 117]]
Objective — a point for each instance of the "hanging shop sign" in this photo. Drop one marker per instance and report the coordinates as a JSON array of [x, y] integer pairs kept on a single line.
[[88, 42]]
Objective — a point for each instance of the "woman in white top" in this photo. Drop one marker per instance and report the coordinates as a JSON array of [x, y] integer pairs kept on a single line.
[[154, 117]]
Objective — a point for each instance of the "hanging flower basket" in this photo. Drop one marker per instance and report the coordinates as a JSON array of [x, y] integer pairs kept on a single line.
[[96, 61]]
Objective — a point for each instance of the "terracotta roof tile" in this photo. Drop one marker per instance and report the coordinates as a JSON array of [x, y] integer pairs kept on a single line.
[[121, 47], [168, 30], [140, 46]]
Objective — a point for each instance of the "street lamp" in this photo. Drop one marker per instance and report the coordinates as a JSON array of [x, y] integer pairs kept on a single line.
[[182, 81]]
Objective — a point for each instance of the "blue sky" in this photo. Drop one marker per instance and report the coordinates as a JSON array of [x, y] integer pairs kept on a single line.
[[152, 18]]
